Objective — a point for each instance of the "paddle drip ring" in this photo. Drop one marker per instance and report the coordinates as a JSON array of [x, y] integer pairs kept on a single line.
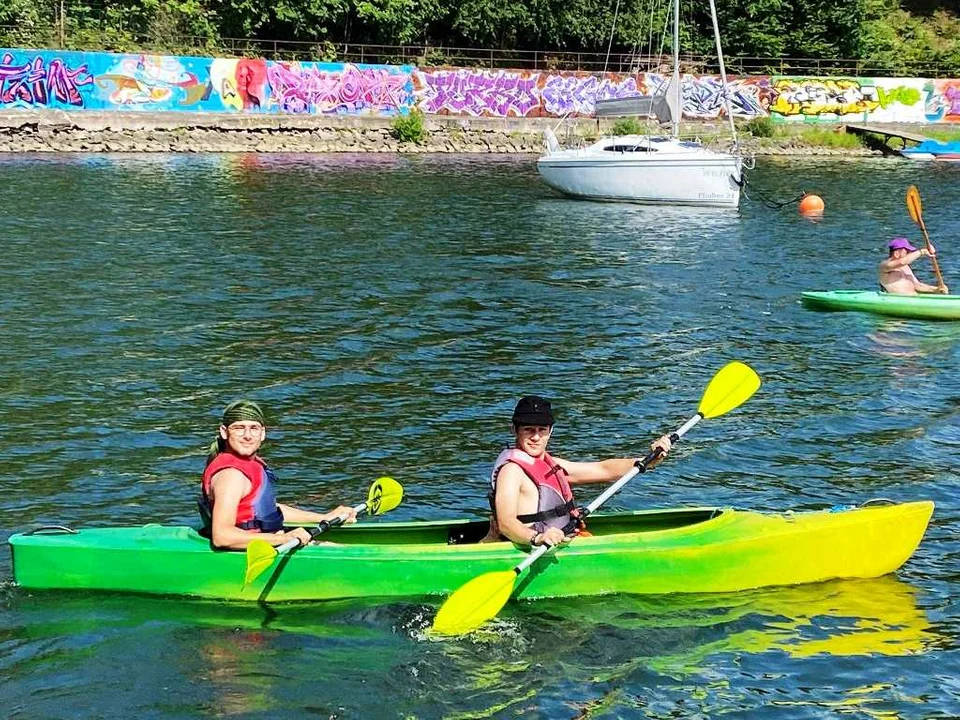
[[376, 495]]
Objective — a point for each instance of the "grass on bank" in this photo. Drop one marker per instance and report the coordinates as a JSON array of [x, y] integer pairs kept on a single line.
[[829, 136]]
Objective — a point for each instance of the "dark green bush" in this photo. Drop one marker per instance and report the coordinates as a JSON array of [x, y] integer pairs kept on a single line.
[[761, 127], [628, 126], [409, 128]]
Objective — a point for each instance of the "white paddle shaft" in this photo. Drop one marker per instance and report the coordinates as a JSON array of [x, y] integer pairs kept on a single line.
[[640, 466]]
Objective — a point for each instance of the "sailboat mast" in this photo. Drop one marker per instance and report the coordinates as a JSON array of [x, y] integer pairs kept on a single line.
[[723, 73], [675, 119]]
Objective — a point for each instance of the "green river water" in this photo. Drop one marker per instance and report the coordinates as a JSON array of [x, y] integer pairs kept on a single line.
[[388, 311]]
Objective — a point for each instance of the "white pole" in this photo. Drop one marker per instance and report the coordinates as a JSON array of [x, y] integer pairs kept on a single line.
[[723, 74]]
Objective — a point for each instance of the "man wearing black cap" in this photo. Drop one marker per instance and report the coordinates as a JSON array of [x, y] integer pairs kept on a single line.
[[530, 494]]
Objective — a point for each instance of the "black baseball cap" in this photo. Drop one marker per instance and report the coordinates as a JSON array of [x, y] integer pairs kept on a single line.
[[533, 410]]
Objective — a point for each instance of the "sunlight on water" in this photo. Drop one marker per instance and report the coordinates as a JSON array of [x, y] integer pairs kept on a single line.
[[388, 311]]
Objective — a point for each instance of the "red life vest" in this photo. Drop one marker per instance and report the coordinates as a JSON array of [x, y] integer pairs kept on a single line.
[[555, 505], [258, 509]]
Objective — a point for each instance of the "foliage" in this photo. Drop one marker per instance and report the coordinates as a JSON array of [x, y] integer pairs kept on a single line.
[[627, 126], [825, 136], [761, 127], [409, 128], [898, 37]]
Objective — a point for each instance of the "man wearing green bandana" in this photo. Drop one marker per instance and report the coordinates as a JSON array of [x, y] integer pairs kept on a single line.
[[237, 499]]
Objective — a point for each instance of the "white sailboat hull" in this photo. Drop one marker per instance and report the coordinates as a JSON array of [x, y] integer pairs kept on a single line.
[[666, 171]]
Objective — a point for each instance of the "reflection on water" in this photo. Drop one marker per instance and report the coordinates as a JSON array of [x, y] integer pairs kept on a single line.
[[243, 655], [913, 339]]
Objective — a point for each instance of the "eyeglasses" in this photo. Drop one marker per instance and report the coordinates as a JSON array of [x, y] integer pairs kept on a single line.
[[241, 429]]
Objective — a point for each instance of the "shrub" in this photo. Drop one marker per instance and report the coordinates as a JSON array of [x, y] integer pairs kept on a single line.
[[627, 126], [760, 127], [409, 128]]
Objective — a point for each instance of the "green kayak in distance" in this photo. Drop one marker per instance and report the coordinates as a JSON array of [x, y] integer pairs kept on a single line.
[[695, 550], [920, 307]]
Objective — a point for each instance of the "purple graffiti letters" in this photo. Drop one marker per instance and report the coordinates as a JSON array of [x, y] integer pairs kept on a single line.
[[34, 84], [573, 94], [308, 89], [500, 93]]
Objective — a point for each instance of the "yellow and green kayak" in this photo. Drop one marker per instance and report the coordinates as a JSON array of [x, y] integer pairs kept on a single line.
[[920, 307], [695, 550]]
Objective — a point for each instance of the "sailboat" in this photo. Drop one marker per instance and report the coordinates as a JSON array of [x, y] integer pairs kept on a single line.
[[649, 169]]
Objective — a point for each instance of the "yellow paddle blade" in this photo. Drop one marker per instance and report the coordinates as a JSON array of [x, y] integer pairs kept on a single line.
[[260, 555], [385, 494], [913, 204], [732, 386], [474, 603]]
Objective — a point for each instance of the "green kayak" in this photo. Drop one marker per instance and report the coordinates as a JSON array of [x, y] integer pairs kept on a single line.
[[923, 307], [696, 550]]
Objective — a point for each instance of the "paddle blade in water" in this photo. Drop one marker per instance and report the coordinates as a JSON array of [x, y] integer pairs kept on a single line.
[[731, 387], [913, 204], [260, 555], [474, 603], [385, 494]]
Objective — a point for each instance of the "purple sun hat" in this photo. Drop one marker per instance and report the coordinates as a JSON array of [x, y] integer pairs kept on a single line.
[[900, 242]]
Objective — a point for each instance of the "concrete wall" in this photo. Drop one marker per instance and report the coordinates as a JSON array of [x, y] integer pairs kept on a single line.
[[51, 79]]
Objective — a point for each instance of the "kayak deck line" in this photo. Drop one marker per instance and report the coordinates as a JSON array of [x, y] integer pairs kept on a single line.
[[689, 550]]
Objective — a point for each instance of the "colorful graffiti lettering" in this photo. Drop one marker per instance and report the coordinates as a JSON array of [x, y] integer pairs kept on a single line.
[[820, 96], [478, 92], [35, 84], [317, 89], [703, 98], [577, 94]]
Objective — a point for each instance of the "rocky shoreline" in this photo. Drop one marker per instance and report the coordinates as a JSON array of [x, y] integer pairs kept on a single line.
[[47, 131]]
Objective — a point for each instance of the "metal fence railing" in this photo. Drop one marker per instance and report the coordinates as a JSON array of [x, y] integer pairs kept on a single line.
[[533, 60]]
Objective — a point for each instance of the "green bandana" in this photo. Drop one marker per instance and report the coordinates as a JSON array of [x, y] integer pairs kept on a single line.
[[242, 410]]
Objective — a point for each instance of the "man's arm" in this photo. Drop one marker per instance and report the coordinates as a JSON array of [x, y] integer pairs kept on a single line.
[[894, 263], [228, 488], [581, 473], [297, 515], [929, 289]]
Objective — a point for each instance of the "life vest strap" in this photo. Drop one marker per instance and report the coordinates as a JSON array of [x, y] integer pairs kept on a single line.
[[542, 516]]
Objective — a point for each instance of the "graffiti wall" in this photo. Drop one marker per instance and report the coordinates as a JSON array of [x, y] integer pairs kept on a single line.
[[106, 81]]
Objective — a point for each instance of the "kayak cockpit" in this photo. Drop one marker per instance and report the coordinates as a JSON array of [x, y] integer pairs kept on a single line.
[[466, 532]]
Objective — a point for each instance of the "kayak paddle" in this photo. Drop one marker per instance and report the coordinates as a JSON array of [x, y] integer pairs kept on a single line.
[[385, 494], [915, 209], [482, 598]]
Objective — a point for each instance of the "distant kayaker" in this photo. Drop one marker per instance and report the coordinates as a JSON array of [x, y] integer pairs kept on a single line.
[[530, 495], [895, 273], [237, 500]]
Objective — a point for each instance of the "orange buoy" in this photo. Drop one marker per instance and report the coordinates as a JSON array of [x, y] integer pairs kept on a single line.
[[811, 205]]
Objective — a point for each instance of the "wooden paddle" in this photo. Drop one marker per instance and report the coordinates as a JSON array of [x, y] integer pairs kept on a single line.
[[385, 494], [915, 209], [482, 598]]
